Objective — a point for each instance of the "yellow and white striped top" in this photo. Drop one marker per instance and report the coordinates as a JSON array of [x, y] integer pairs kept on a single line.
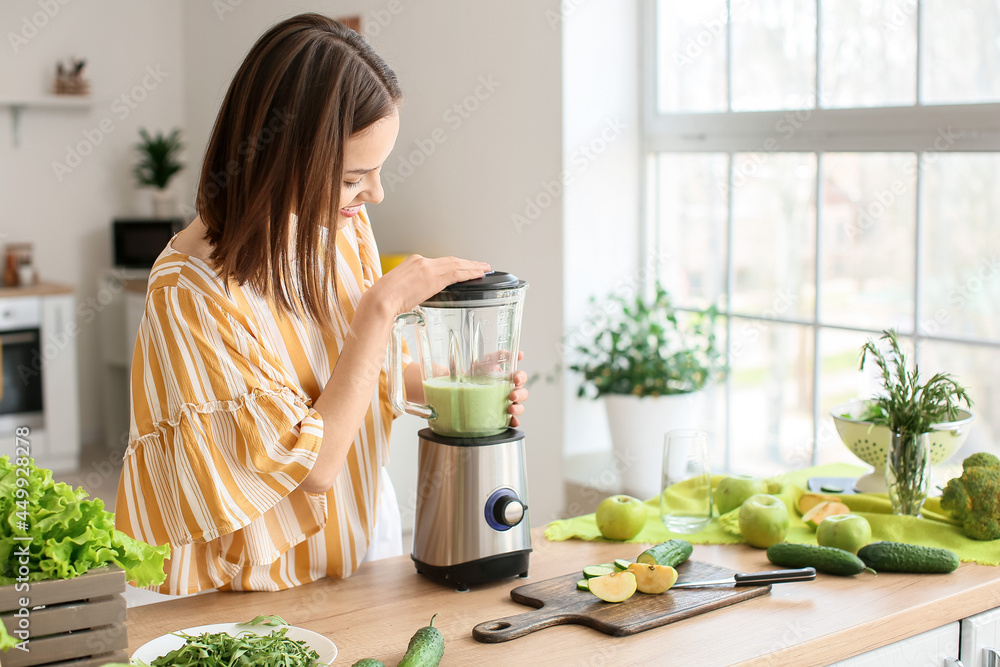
[[223, 432]]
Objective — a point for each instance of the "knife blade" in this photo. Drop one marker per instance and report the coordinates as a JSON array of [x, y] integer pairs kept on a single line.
[[755, 578]]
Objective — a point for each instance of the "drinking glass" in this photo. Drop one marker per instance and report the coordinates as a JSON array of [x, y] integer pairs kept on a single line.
[[686, 494]]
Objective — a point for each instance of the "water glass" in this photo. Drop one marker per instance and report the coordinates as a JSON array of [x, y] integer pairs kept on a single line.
[[686, 493]]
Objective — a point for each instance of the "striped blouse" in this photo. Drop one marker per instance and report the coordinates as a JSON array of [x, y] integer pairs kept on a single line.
[[222, 431]]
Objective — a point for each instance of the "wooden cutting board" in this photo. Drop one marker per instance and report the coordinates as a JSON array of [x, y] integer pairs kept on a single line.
[[559, 602]]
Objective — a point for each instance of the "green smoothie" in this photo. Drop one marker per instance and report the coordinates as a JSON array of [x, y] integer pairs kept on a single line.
[[470, 408]]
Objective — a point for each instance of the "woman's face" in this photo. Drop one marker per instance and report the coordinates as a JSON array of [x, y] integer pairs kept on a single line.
[[364, 154]]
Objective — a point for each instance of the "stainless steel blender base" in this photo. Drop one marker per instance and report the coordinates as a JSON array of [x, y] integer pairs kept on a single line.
[[471, 524]]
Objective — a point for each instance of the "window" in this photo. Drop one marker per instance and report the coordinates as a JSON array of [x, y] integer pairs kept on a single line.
[[821, 170]]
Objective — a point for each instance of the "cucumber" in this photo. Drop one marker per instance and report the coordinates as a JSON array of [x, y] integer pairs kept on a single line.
[[426, 647], [583, 585], [671, 552], [592, 571], [622, 564], [610, 566], [825, 559], [899, 557], [368, 662]]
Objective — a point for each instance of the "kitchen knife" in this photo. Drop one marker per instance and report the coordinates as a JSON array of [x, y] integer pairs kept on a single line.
[[755, 579]]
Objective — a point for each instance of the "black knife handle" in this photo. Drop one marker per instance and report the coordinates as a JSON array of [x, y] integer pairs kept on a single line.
[[775, 576]]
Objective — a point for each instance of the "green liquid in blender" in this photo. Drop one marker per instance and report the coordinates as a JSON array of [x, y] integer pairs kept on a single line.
[[468, 408]]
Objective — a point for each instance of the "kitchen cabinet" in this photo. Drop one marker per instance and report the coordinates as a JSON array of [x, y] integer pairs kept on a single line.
[[49, 312], [122, 298], [980, 646], [824, 622]]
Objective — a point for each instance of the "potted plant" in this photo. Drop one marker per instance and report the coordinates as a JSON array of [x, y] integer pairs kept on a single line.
[[650, 364], [909, 409], [158, 163]]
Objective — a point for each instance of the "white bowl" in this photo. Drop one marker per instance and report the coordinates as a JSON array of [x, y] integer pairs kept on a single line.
[[160, 646], [870, 443]]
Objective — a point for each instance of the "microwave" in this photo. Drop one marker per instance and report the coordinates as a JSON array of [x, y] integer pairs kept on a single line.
[[137, 242]]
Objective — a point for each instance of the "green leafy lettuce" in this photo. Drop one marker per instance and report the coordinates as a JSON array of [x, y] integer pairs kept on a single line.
[[70, 534]]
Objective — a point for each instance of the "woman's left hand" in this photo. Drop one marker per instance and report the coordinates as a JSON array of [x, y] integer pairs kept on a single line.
[[519, 395]]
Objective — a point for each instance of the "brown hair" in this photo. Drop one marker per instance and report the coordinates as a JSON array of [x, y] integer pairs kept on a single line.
[[277, 149]]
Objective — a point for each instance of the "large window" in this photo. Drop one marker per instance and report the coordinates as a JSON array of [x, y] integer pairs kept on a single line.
[[821, 170]]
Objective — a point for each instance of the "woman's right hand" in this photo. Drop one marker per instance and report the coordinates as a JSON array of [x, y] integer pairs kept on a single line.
[[418, 278]]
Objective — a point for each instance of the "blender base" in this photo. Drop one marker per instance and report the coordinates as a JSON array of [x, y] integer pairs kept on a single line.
[[480, 571]]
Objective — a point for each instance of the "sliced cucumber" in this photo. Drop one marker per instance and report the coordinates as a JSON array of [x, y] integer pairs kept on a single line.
[[622, 564], [583, 585], [592, 571]]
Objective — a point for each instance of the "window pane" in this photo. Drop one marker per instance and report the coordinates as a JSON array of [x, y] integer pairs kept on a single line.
[[961, 52], [771, 410], [691, 55], [774, 227], [868, 242], [869, 54], [691, 220], [961, 245], [774, 55], [974, 367]]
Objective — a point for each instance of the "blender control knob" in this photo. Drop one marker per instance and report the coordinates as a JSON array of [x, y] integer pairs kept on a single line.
[[509, 511]]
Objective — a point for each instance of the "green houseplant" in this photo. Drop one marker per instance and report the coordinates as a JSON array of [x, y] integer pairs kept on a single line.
[[158, 163], [909, 409], [649, 363]]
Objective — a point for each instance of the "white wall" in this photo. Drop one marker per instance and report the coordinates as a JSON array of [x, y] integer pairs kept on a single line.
[[68, 216], [457, 195], [601, 152]]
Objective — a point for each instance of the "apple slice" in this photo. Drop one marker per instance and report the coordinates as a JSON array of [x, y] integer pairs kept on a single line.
[[614, 587], [815, 516], [809, 500], [653, 579]]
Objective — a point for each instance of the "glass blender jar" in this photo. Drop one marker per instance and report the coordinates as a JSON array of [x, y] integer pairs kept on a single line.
[[471, 516], [468, 337]]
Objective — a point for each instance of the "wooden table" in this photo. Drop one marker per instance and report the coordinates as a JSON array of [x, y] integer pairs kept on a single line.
[[374, 613]]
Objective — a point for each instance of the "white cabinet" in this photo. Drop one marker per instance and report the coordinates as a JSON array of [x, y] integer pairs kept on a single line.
[[981, 640], [931, 648]]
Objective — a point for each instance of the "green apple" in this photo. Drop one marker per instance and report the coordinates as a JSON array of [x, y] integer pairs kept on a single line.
[[621, 517], [763, 520], [733, 490], [849, 532]]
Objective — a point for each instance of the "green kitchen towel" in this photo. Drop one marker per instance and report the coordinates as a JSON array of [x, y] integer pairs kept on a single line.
[[934, 529]]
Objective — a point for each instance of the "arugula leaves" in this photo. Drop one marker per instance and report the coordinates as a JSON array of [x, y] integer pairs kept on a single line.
[[244, 650]]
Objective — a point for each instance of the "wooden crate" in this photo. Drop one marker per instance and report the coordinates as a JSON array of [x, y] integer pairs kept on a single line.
[[78, 622]]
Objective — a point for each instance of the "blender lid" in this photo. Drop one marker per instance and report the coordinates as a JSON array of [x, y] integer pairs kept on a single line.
[[491, 285]]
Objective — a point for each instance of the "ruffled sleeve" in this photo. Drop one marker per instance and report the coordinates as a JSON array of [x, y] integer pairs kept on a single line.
[[220, 439]]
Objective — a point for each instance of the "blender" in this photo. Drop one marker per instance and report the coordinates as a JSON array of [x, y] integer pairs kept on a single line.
[[471, 524]]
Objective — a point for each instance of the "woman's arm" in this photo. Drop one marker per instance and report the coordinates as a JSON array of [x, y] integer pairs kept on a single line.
[[347, 396]]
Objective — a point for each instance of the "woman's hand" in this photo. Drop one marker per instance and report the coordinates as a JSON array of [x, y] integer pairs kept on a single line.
[[418, 278], [519, 395]]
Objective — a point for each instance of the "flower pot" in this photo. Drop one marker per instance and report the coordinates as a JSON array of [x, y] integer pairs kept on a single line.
[[638, 426], [164, 203], [908, 471]]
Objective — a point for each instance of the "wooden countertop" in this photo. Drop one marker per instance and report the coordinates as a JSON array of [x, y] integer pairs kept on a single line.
[[374, 613], [40, 289]]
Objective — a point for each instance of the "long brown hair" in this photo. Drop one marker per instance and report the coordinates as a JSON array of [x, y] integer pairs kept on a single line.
[[277, 149]]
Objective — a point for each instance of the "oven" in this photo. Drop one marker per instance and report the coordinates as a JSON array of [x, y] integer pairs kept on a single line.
[[21, 400]]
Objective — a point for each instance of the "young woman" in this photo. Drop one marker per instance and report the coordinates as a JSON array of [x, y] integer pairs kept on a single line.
[[260, 417]]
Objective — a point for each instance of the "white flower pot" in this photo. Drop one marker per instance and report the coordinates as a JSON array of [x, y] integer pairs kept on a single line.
[[164, 203], [638, 426]]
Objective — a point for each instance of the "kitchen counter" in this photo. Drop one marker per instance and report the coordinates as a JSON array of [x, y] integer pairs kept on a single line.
[[374, 613], [39, 289]]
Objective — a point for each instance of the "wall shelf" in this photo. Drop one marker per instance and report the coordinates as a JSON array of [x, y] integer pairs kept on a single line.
[[50, 102]]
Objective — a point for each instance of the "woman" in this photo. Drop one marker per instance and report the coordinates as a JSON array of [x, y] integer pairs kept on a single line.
[[260, 418]]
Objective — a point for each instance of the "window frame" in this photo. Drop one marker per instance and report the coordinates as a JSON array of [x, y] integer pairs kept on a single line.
[[919, 129]]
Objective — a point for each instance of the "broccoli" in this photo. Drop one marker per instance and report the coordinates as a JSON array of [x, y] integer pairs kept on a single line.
[[974, 498]]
